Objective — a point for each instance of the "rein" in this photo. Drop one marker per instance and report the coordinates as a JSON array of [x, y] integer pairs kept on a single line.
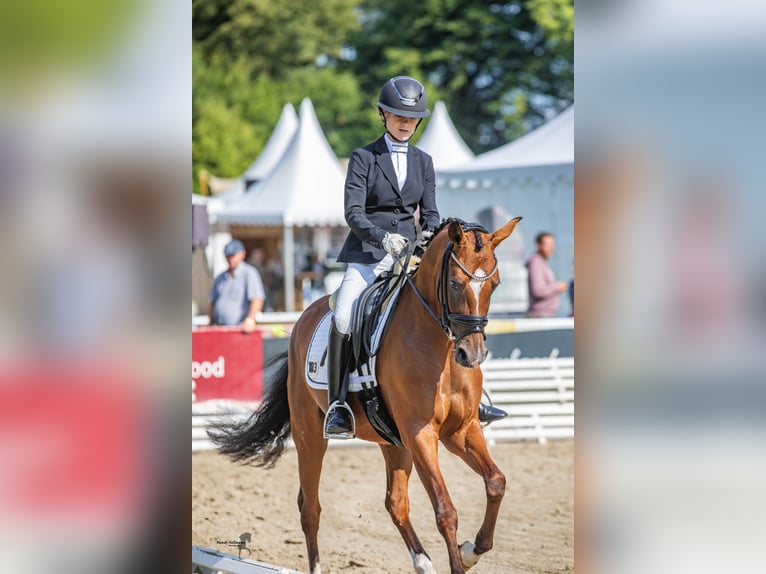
[[472, 323]]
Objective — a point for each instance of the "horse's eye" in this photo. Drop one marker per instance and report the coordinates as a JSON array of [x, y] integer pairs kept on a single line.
[[454, 285]]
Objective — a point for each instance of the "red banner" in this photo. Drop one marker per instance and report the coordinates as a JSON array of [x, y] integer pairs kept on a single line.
[[226, 364]]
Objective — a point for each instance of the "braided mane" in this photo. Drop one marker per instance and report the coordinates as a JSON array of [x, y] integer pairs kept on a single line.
[[476, 228]]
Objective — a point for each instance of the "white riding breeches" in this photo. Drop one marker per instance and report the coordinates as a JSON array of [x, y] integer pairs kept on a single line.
[[358, 276]]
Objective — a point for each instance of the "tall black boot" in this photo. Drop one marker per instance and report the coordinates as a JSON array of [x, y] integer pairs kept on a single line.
[[339, 420]]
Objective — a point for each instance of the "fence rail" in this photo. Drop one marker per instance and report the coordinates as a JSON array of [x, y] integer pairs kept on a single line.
[[537, 394]]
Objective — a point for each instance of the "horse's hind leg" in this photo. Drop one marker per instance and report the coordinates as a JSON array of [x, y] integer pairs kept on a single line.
[[472, 448], [307, 434], [398, 469]]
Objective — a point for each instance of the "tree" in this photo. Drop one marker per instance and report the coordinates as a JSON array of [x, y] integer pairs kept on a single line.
[[274, 36], [502, 67], [250, 57]]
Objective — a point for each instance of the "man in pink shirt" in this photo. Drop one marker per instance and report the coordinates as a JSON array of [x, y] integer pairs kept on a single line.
[[544, 290]]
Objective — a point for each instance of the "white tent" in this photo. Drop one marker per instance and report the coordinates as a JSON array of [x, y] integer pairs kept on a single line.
[[550, 144], [305, 189], [442, 141], [533, 176], [275, 148], [263, 165]]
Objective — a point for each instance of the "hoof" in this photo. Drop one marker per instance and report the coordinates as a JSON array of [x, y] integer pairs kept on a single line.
[[468, 556]]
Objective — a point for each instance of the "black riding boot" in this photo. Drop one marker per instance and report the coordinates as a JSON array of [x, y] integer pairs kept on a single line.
[[339, 420], [489, 414]]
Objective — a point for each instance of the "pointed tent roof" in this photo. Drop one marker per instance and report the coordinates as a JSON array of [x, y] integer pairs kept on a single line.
[[275, 148], [550, 144], [442, 141], [304, 189], [263, 165]]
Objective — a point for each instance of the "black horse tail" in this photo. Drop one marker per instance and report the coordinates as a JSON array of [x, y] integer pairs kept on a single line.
[[260, 439]]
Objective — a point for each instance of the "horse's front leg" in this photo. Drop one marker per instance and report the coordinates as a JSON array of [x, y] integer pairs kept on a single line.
[[470, 445], [425, 455], [398, 469]]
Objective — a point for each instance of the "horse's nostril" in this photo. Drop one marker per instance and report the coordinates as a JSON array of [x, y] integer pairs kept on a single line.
[[462, 357]]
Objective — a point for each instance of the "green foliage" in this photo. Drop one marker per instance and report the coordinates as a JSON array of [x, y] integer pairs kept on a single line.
[[499, 67], [275, 36], [348, 117], [224, 140], [556, 17]]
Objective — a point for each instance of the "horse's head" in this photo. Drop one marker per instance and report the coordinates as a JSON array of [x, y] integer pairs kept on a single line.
[[462, 256]]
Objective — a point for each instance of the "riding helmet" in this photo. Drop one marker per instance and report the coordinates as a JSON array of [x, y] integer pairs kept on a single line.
[[404, 96]]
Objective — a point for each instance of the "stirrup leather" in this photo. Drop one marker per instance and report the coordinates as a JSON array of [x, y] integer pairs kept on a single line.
[[330, 410]]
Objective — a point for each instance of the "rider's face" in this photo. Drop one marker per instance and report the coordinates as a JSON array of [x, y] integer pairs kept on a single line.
[[400, 127]]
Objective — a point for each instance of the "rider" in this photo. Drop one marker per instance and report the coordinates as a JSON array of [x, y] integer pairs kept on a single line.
[[386, 181]]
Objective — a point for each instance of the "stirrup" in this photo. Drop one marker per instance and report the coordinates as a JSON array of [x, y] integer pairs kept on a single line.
[[330, 410]]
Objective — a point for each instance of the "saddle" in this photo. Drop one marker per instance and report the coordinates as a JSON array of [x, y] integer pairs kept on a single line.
[[369, 310], [369, 323]]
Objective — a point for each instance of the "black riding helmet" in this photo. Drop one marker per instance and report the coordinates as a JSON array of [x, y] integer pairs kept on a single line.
[[404, 96]]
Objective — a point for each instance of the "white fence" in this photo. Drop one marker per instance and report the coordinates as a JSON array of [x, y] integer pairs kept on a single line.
[[212, 412], [537, 394]]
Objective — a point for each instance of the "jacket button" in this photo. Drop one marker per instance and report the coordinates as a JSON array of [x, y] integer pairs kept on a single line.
[[396, 210], [398, 201], [394, 222]]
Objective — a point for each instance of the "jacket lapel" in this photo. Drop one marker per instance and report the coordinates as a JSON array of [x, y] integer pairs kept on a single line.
[[413, 167], [383, 159]]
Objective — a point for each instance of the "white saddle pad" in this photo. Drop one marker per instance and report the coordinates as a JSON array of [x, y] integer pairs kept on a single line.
[[316, 359]]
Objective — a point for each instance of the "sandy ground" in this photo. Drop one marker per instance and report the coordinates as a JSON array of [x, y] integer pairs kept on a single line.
[[535, 531]]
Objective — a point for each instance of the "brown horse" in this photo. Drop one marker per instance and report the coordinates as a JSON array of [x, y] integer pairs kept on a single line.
[[429, 378]]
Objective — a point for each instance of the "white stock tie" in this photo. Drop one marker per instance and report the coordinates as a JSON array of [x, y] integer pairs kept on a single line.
[[399, 159]]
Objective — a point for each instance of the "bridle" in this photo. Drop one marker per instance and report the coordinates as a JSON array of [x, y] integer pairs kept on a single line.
[[471, 323]]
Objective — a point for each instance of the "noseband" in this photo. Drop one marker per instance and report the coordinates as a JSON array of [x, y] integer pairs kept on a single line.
[[470, 323]]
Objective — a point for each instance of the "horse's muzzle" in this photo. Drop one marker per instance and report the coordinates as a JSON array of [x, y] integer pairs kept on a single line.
[[470, 357]]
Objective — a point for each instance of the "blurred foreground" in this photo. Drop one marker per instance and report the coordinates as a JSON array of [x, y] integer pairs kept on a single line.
[[671, 311], [95, 109]]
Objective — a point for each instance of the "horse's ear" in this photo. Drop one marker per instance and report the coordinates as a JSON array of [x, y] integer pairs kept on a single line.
[[455, 233], [502, 233]]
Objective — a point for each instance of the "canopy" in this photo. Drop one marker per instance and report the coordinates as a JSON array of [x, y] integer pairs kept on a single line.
[[550, 144], [275, 148], [304, 189], [263, 165], [442, 141], [533, 177]]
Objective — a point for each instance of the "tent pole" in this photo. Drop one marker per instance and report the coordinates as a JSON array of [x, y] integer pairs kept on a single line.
[[288, 260]]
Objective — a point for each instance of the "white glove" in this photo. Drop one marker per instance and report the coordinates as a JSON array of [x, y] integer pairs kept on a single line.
[[427, 235], [394, 243]]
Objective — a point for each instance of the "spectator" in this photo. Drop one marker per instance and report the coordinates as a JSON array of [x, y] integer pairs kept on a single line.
[[544, 290], [237, 294]]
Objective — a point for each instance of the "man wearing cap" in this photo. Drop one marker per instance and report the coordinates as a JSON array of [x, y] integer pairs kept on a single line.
[[237, 294]]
